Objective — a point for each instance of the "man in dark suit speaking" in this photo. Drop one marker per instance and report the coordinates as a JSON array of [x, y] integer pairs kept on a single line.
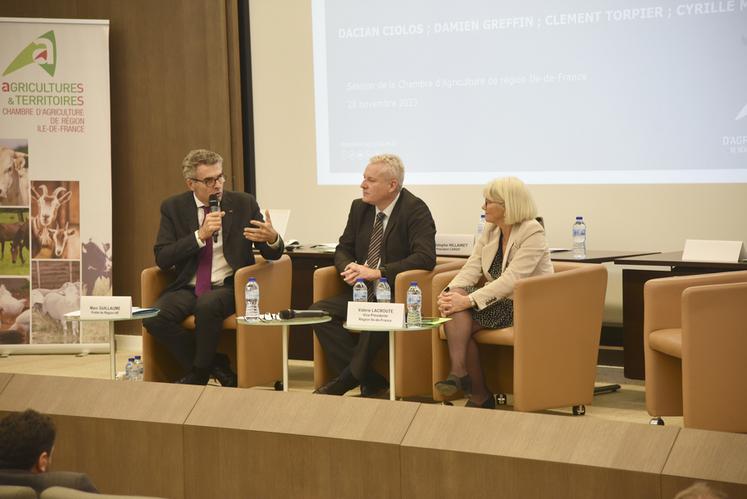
[[205, 245], [389, 230]]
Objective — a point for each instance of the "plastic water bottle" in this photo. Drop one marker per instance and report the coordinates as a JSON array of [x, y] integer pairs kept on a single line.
[[360, 291], [414, 305], [480, 227], [579, 238], [130, 370], [383, 291], [138, 368], [251, 294]]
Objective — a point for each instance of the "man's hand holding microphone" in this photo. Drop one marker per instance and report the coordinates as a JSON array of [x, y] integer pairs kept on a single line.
[[211, 225]]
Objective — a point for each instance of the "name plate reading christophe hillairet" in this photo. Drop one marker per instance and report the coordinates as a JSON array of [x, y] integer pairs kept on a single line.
[[376, 315], [105, 307]]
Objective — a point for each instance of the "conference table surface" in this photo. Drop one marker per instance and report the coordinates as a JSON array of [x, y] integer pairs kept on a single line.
[[597, 256], [592, 256], [674, 259]]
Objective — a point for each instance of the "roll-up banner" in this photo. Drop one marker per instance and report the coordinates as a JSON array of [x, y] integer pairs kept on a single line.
[[55, 182]]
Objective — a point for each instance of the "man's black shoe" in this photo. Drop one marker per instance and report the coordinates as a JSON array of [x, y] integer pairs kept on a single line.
[[375, 385], [194, 377], [225, 376], [340, 385]]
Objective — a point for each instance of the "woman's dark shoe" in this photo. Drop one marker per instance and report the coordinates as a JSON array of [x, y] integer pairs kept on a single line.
[[453, 384], [488, 404]]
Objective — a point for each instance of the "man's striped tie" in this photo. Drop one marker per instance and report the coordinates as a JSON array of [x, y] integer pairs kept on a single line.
[[374, 250]]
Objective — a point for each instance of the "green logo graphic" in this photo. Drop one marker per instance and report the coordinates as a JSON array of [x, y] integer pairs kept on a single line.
[[42, 51]]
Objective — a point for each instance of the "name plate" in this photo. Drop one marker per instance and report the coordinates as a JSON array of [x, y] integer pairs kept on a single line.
[[454, 244], [379, 315], [697, 250], [105, 307]]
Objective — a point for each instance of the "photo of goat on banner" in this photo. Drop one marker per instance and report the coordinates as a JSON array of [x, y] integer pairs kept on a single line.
[[55, 220]]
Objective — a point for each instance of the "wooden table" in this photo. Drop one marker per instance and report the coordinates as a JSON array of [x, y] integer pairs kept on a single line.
[[596, 256]]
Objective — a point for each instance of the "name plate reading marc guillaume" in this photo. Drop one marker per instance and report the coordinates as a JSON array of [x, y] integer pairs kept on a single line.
[[105, 307], [378, 315]]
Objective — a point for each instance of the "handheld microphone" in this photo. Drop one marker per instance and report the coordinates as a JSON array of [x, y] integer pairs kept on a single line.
[[302, 314], [214, 206]]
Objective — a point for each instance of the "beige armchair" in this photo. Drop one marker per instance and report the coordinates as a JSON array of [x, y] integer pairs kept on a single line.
[[695, 342], [413, 359], [548, 358], [256, 352]]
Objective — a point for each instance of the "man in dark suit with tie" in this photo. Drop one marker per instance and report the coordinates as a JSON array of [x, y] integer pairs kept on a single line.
[[205, 248], [389, 230]]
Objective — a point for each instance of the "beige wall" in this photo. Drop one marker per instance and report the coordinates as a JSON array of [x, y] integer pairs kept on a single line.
[[624, 217]]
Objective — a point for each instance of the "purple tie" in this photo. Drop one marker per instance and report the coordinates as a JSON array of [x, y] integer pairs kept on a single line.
[[205, 264]]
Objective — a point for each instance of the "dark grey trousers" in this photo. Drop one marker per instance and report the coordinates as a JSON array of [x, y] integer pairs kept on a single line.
[[342, 347]]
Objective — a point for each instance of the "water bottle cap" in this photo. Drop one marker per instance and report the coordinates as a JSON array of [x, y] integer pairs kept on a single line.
[[579, 218], [137, 357], [252, 279], [414, 283], [482, 215], [360, 279], [131, 358], [383, 279]]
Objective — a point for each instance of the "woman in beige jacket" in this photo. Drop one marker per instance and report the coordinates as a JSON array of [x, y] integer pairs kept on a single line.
[[511, 247]]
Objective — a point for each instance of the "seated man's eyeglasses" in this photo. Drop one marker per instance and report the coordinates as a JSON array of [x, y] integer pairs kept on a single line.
[[210, 181]]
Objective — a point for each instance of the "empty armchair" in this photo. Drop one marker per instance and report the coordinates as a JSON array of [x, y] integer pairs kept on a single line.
[[413, 359], [256, 354], [695, 342], [547, 359]]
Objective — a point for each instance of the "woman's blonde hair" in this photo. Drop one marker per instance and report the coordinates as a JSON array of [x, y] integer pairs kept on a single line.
[[513, 194]]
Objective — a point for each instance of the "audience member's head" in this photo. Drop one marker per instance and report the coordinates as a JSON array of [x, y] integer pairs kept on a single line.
[[700, 490], [26, 441]]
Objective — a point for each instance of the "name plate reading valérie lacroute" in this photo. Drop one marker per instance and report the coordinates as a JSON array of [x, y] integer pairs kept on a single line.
[[378, 315], [105, 307]]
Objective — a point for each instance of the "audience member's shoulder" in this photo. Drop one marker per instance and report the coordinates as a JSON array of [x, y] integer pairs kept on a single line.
[[69, 479]]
